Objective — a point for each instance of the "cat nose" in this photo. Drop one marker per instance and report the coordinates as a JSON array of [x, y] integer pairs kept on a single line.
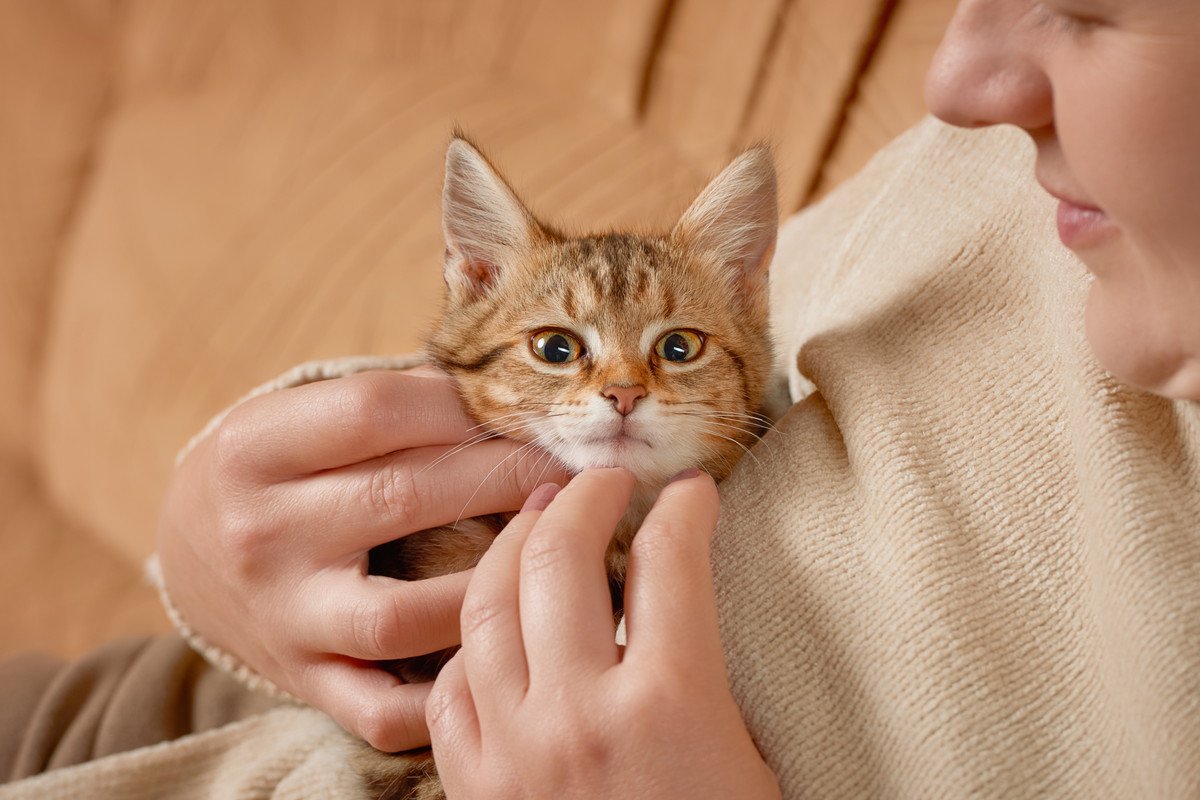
[[624, 397]]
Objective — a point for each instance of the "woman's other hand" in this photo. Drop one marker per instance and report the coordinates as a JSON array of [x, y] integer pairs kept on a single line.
[[266, 526], [541, 702]]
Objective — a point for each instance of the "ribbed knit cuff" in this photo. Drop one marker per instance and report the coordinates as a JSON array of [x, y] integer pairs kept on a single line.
[[214, 655]]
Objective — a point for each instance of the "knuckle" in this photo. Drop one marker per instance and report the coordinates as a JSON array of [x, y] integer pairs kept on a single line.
[[389, 728], [363, 399], [405, 731], [242, 536], [660, 691], [664, 537], [477, 616], [414, 620], [586, 744], [370, 630], [373, 723], [664, 699], [439, 706], [242, 524], [592, 748], [393, 492], [233, 442], [544, 551]]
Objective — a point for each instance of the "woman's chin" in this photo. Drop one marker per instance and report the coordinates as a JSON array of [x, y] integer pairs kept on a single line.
[[1140, 347]]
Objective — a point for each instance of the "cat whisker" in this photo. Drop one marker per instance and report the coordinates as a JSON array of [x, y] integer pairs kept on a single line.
[[730, 418], [730, 426], [739, 414], [538, 462], [534, 414], [757, 419], [714, 415], [494, 420], [719, 421], [520, 460], [735, 441], [458, 448], [511, 427], [762, 419], [550, 459], [492, 471], [713, 453], [525, 403], [709, 406], [507, 429]]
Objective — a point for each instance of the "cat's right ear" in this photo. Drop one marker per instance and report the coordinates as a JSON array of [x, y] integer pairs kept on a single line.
[[486, 227]]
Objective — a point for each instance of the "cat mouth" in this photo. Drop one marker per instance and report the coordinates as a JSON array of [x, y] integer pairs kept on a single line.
[[620, 441]]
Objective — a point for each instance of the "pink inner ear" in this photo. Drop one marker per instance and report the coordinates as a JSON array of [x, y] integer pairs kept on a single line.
[[480, 273]]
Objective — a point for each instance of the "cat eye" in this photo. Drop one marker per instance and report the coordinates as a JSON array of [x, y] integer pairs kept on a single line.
[[680, 346], [555, 346]]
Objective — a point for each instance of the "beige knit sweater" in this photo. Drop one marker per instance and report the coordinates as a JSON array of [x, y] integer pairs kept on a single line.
[[967, 564]]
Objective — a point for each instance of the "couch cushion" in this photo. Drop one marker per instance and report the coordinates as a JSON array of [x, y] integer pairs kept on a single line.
[[54, 77], [236, 230], [61, 590], [597, 50]]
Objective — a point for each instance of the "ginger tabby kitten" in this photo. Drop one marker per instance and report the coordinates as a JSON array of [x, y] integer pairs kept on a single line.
[[648, 352]]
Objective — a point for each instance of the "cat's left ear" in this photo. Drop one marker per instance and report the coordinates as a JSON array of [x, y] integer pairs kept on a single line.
[[487, 229], [735, 218]]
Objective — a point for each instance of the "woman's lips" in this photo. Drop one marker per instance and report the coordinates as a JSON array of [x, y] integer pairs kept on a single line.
[[1081, 227]]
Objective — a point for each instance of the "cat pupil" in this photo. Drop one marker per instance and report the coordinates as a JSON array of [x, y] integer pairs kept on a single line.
[[675, 348], [557, 349]]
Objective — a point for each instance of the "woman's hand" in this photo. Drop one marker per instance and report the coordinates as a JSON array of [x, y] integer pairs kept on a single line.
[[265, 530], [540, 702]]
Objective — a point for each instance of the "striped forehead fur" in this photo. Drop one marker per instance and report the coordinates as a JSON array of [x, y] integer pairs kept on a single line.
[[615, 267]]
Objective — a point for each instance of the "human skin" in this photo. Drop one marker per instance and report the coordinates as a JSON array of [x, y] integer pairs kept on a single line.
[[264, 534], [1107, 91], [541, 703]]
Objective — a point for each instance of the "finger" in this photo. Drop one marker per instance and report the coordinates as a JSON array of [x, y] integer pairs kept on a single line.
[[670, 607], [374, 618], [452, 721], [566, 607], [370, 703], [383, 499], [426, 371], [332, 423], [493, 648]]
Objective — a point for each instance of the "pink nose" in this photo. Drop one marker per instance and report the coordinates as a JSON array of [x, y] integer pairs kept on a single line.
[[624, 397]]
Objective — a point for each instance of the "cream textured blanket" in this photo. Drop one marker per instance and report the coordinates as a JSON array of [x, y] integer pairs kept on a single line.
[[967, 564]]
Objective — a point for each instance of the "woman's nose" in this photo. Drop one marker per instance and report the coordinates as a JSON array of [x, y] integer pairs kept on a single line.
[[987, 70]]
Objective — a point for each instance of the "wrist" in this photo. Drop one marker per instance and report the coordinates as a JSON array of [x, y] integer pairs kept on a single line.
[[217, 656]]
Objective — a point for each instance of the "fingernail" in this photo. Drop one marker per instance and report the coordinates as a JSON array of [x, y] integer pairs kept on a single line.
[[687, 473], [540, 497]]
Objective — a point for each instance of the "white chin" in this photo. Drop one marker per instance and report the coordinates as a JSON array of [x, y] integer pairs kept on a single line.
[[647, 463]]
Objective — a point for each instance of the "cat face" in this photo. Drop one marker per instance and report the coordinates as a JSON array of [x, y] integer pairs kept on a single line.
[[645, 352]]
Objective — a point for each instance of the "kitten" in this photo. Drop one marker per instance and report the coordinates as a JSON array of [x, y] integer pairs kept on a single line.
[[648, 352]]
